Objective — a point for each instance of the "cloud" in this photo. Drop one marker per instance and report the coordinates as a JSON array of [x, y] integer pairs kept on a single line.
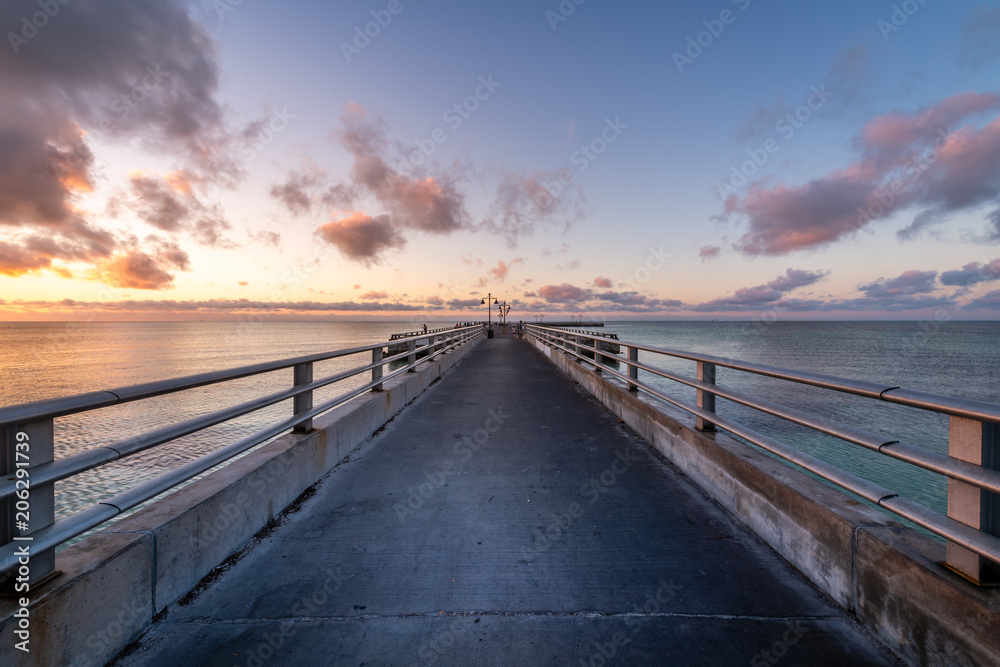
[[101, 73], [524, 200], [435, 301], [709, 252], [361, 237], [294, 192], [635, 301], [990, 300], [374, 295], [136, 269], [243, 283], [980, 45], [464, 304], [429, 204], [500, 271], [171, 205], [760, 296], [972, 273], [266, 237], [602, 282], [564, 293], [907, 160], [906, 284]]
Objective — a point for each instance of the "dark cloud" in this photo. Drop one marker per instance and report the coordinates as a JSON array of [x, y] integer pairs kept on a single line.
[[370, 296], [972, 273], [361, 237], [907, 160], [171, 205], [294, 193], [990, 301], [100, 72], [906, 284], [760, 296]]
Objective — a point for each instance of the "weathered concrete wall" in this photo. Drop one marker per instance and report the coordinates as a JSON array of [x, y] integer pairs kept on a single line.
[[887, 575], [114, 582]]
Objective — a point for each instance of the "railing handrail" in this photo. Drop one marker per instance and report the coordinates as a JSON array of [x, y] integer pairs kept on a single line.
[[51, 408], [413, 334], [44, 474], [891, 393], [979, 540], [602, 334]]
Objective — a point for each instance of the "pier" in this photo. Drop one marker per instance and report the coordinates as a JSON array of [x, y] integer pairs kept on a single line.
[[502, 501]]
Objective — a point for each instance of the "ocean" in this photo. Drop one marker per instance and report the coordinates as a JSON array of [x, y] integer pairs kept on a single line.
[[44, 360]]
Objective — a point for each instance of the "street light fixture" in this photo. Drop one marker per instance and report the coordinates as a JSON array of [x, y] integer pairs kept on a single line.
[[489, 301]]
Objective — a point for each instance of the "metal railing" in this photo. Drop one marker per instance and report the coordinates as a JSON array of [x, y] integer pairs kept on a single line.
[[972, 526], [28, 472], [409, 334]]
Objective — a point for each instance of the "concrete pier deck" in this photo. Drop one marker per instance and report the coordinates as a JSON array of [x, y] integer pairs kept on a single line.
[[506, 518]]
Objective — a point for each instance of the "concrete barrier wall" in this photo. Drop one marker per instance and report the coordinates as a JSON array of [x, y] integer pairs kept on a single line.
[[887, 575], [113, 583]]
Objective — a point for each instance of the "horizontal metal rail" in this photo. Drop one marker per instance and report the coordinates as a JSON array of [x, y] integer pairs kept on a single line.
[[60, 407], [78, 523], [412, 334], [973, 539]]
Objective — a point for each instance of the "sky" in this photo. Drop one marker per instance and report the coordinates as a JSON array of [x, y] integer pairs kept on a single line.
[[735, 159]]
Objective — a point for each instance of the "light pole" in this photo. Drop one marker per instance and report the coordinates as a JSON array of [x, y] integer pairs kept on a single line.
[[488, 302], [503, 310]]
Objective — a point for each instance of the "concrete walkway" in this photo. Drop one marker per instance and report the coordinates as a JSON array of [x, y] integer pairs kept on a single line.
[[506, 518]]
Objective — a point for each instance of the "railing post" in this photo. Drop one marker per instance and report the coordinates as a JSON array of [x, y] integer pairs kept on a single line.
[[303, 374], [633, 372], [597, 355], [411, 358], [978, 443], [377, 371], [24, 447], [706, 399]]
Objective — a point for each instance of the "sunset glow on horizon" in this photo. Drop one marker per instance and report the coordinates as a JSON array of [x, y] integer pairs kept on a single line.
[[174, 160]]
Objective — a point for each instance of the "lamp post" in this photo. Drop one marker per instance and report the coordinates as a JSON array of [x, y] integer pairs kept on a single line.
[[488, 302], [503, 310]]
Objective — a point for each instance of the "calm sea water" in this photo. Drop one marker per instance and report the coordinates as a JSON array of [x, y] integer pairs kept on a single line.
[[43, 360]]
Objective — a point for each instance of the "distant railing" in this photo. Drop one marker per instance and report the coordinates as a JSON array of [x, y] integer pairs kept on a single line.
[[602, 334], [410, 334], [27, 442], [972, 527]]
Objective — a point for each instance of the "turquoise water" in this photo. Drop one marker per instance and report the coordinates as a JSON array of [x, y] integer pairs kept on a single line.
[[43, 360], [956, 358]]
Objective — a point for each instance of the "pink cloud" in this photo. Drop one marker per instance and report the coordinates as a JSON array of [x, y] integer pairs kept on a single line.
[[361, 237], [602, 282], [909, 160]]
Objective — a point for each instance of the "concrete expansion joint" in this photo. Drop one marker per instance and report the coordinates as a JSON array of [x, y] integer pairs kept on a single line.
[[152, 557], [203, 620]]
